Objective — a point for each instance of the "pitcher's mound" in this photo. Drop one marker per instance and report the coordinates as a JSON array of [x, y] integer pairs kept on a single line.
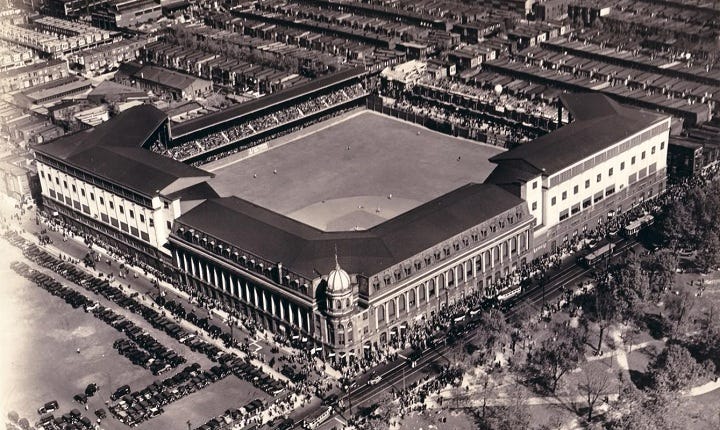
[[352, 213]]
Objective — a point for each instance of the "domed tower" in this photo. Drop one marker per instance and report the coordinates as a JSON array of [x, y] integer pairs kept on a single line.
[[339, 291], [339, 309]]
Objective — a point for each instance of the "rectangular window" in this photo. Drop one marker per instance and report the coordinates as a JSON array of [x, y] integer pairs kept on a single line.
[[102, 200], [597, 197], [166, 205], [642, 156], [151, 223], [144, 236], [632, 160], [104, 217], [622, 165], [553, 201], [575, 189], [123, 226], [122, 209], [142, 218], [662, 145], [587, 184], [575, 209], [42, 174], [112, 205], [599, 177], [610, 190], [132, 213], [92, 196], [114, 222], [134, 231], [564, 195], [52, 193], [169, 225], [82, 192], [610, 171], [65, 184], [534, 205], [57, 180], [564, 215], [586, 203], [652, 150], [74, 190]]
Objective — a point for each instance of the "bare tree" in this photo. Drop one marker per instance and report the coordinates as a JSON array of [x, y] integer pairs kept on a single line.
[[486, 387], [593, 385]]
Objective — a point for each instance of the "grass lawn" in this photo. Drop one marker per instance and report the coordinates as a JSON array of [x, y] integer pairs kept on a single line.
[[703, 411], [386, 156], [431, 419]]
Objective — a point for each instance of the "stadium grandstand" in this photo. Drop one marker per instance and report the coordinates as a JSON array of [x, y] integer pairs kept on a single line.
[[239, 126]]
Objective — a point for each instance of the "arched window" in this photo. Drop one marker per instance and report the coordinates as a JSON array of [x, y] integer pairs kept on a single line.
[[391, 309], [401, 305], [347, 303], [411, 299]]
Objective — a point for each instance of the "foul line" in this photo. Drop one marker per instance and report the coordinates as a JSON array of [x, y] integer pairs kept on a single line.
[[293, 139]]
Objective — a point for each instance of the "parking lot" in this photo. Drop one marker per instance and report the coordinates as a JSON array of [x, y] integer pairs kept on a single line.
[[47, 333]]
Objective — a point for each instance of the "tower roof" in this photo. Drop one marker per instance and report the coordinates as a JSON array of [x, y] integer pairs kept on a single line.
[[338, 280]]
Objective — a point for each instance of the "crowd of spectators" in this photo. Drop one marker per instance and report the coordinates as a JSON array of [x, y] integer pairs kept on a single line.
[[481, 130], [502, 100], [260, 124]]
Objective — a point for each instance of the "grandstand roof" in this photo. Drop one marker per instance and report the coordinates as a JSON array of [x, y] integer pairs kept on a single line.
[[599, 123], [235, 112], [114, 150], [304, 249]]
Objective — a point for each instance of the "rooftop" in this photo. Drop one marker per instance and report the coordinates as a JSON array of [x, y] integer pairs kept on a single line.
[[306, 250], [114, 150], [354, 172], [234, 112], [599, 123]]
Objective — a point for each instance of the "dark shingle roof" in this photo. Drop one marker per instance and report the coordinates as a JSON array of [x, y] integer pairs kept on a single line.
[[234, 112], [599, 122], [305, 249], [113, 150]]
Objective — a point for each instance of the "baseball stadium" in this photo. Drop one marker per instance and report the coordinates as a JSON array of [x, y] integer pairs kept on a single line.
[[327, 222]]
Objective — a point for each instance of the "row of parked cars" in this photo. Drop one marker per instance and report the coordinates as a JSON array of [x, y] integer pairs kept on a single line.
[[73, 420], [147, 351], [133, 408], [231, 417], [229, 363]]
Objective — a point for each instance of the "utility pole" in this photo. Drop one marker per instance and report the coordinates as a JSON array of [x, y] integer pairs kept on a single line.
[[403, 371]]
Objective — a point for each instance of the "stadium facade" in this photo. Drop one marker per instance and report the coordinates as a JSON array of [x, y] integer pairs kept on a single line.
[[349, 292]]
